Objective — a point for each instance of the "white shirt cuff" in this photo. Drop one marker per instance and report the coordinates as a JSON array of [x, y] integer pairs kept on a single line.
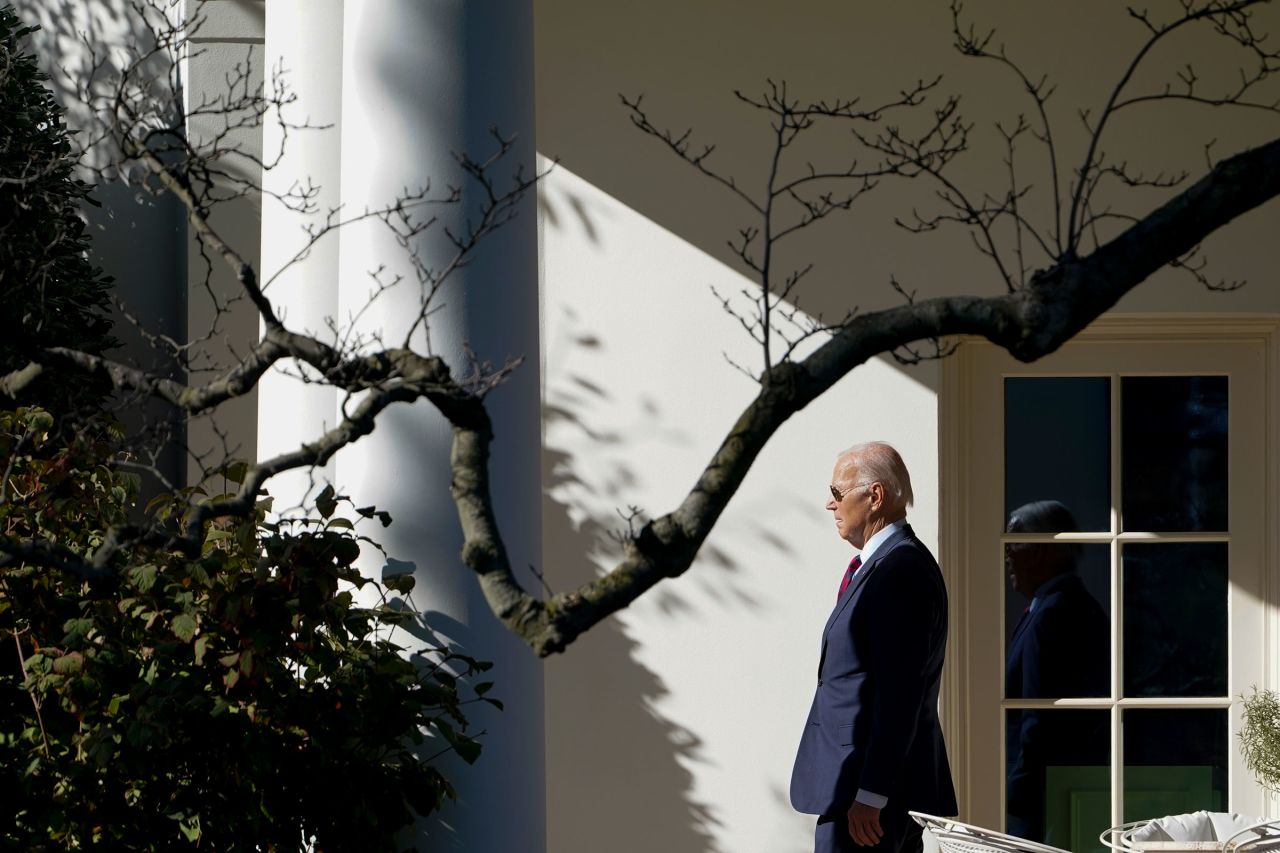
[[876, 801]]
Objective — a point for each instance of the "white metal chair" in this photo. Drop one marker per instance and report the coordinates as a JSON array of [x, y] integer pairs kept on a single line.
[[956, 837], [1251, 835], [1266, 836]]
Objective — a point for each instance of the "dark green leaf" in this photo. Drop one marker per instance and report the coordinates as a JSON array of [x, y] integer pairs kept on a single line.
[[402, 584], [143, 577], [468, 750], [39, 421], [326, 503], [190, 828], [68, 664], [76, 630], [184, 626], [201, 646], [373, 512]]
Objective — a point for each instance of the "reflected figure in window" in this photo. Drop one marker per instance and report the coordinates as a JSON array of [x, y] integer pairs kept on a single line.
[[1059, 649]]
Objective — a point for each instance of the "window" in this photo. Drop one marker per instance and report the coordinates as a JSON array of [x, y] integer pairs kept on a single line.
[[1108, 507]]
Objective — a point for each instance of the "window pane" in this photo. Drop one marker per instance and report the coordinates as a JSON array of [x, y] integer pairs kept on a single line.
[[1175, 762], [1174, 457], [1175, 619], [1060, 648], [1057, 776], [1057, 434]]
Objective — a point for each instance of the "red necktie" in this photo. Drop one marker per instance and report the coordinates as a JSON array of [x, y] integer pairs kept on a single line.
[[854, 564]]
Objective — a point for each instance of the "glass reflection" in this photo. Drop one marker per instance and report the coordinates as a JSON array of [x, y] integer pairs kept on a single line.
[[1059, 647], [1058, 776], [1174, 453], [1175, 761], [1071, 415], [1059, 642], [1175, 619]]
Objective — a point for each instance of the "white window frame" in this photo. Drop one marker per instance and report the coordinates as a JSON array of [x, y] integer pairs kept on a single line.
[[970, 648]]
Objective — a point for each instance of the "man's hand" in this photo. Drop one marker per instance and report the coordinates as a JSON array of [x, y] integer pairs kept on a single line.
[[864, 824]]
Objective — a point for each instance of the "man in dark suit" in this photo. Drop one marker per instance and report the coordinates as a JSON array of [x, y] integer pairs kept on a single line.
[[872, 747], [1059, 649]]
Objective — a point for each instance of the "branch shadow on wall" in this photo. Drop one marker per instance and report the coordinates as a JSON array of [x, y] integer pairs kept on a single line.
[[619, 770], [634, 753], [614, 762]]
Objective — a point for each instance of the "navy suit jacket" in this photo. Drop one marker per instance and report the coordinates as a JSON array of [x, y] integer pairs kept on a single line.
[[1059, 650], [873, 723]]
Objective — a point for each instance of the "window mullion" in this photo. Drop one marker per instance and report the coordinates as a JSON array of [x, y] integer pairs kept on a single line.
[[1117, 609]]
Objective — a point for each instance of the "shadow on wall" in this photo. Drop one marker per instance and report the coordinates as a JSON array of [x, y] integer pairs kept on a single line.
[[84, 46], [126, 218], [658, 713], [127, 215], [140, 236], [616, 770], [589, 53], [616, 757], [555, 218], [588, 56]]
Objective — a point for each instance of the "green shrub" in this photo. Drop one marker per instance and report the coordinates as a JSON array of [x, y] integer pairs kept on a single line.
[[52, 294], [242, 700], [239, 701]]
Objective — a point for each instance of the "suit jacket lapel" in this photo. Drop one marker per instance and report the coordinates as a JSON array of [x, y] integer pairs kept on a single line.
[[858, 580], [1022, 624]]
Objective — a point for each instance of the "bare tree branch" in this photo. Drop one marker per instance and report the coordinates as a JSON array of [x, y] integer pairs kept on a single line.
[[1056, 304], [1218, 13], [1033, 318], [791, 204]]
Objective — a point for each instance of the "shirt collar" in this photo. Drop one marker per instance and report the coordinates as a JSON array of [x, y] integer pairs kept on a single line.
[[1047, 587], [878, 539]]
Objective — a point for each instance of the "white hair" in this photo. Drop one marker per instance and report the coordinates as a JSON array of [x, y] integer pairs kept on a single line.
[[877, 461]]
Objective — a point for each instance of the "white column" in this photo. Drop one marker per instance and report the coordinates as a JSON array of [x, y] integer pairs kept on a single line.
[[229, 34], [422, 80], [303, 50]]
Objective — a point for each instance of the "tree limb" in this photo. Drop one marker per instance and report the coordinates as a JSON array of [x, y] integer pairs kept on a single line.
[[1030, 323]]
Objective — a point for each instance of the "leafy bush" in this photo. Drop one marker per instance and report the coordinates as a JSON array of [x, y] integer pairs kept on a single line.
[[52, 294], [242, 700]]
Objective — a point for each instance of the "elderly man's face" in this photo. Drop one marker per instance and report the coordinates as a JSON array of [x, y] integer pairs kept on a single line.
[[1020, 565], [1029, 565], [853, 511]]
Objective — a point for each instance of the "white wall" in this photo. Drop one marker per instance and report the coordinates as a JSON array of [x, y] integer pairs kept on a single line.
[[164, 285], [676, 721], [152, 282], [684, 712], [688, 58]]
